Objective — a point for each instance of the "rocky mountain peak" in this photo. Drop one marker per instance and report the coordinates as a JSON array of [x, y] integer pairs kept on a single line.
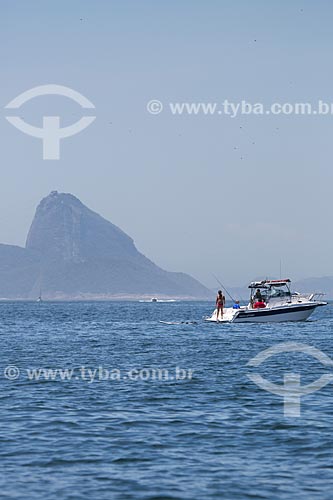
[[65, 229], [74, 253]]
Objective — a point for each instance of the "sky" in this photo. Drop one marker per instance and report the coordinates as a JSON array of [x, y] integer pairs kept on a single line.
[[202, 194]]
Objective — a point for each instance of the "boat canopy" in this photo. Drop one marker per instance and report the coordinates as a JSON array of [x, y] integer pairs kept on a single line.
[[268, 283]]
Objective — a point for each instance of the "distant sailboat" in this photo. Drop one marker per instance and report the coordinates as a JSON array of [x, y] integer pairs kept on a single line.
[[40, 297]]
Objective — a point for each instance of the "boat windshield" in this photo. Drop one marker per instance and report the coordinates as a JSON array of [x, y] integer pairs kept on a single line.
[[275, 292]]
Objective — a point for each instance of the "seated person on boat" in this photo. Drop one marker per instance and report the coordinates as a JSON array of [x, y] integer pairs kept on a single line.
[[260, 304]]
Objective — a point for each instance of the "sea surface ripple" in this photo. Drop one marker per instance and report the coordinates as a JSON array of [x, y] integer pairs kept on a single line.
[[212, 435]]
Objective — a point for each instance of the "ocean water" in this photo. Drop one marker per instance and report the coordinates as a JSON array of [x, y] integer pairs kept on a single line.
[[120, 428]]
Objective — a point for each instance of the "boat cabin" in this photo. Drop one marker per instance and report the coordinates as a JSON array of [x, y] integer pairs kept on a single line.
[[269, 290]]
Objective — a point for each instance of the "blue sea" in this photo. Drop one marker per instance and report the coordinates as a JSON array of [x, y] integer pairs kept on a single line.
[[102, 401]]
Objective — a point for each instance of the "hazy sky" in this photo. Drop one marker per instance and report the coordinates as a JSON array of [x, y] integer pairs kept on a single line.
[[199, 194]]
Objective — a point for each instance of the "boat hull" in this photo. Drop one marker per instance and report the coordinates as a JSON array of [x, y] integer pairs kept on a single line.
[[297, 313]]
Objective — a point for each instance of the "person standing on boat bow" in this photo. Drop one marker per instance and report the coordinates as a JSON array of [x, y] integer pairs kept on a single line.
[[220, 302]]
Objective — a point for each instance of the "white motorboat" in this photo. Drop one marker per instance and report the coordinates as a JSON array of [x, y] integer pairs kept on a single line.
[[277, 304]]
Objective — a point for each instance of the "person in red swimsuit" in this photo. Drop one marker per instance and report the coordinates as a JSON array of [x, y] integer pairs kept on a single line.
[[220, 301], [260, 304]]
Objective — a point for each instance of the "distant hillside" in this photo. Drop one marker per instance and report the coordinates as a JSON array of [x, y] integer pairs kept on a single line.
[[19, 270], [324, 285], [72, 252]]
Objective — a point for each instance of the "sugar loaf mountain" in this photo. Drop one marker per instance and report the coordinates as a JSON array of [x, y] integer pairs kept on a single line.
[[72, 252]]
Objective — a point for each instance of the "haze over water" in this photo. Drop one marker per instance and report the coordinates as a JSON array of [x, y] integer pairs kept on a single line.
[[198, 193]]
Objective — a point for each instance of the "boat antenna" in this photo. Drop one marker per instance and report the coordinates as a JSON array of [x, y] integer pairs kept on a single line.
[[224, 288]]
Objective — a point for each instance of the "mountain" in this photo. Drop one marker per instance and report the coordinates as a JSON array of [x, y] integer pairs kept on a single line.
[[19, 269], [324, 285], [73, 253]]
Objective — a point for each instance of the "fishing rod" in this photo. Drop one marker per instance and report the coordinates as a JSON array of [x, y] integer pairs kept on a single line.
[[224, 288]]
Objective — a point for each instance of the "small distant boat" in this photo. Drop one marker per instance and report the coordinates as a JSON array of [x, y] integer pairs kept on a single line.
[[179, 322], [154, 299], [278, 304], [40, 299]]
